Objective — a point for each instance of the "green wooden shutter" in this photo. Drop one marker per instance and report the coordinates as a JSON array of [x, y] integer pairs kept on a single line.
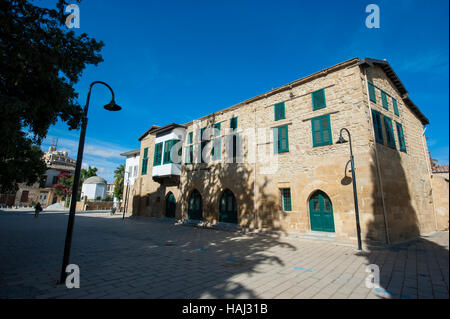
[[190, 137], [401, 137], [217, 129], [233, 123], [389, 131], [395, 106], [372, 95], [144, 162], [286, 199], [157, 155], [384, 100], [279, 111], [321, 130], [280, 139], [217, 148], [318, 99], [376, 119]]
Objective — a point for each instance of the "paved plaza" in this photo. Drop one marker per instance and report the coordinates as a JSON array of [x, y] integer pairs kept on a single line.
[[150, 258]]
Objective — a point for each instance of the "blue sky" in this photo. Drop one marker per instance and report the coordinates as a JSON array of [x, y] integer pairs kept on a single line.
[[175, 61]]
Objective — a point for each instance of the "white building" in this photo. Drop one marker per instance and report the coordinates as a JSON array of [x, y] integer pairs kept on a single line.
[[93, 188], [131, 167]]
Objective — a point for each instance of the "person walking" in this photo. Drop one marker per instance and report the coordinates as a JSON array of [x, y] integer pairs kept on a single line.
[[37, 209]]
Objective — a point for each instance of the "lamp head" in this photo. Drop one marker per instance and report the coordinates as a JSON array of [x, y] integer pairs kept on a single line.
[[112, 106], [341, 140]]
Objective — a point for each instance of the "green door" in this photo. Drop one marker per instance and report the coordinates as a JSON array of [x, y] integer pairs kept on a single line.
[[228, 208], [321, 213], [195, 209], [171, 205]]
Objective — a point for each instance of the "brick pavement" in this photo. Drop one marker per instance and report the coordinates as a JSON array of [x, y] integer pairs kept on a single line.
[[149, 258]]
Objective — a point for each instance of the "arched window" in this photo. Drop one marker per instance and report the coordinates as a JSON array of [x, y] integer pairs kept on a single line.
[[171, 205]]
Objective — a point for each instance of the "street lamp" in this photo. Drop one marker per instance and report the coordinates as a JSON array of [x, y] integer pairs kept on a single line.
[[111, 106], [125, 204], [355, 194]]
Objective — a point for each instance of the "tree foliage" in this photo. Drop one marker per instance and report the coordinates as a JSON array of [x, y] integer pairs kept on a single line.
[[40, 61], [119, 174]]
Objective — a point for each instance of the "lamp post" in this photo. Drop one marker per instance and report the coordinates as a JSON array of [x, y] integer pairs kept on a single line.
[[355, 193], [125, 204], [111, 106]]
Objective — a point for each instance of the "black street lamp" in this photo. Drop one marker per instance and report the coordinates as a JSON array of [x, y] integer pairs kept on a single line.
[[111, 106], [355, 193]]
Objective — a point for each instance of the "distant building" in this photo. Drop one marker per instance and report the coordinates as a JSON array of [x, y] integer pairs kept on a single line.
[[57, 162], [131, 173], [110, 190], [441, 170], [93, 188]]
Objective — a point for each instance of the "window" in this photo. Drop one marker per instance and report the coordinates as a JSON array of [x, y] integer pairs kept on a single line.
[[401, 137], [318, 99], [145, 162], [372, 95], [279, 111], [135, 171], [158, 154], [167, 159], [233, 123], [217, 143], [189, 150], [286, 199], [384, 100], [395, 106], [280, 139], [389, 131], [376, 118], [321, 130], [203, 143]]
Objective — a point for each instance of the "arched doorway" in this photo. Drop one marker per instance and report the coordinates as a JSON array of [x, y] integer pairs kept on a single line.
[[195, 207], [321, 212], [171, 205], [228, 208]]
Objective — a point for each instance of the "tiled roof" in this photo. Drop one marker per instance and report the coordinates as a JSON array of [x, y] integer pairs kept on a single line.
[[440, 169]]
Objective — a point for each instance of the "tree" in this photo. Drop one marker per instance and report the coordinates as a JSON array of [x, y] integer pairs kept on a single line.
[[64, 186], [119, 174], [40, 61]]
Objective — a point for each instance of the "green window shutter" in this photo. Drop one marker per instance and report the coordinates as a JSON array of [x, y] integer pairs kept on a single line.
[[318, 99], [321, 130], [167, 149], [189, 154], [384, 100], [217, 148], [280, 139], [279, 111], [217, 129], [286, 199], [372, 95], [144, 162], [401, 137], [389, 131], [395, 106], [158, 154], [190, 137], [376, 118], [233, 123]]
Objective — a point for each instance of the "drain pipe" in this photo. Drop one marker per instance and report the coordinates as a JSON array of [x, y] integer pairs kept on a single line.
[[380, 180]]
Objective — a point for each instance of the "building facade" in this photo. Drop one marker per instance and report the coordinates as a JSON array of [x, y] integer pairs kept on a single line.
[[272, 162], [57, 162], [131, 173]]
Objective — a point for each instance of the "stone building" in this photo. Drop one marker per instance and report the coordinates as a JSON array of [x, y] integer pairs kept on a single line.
[[57, 162], [272, 161]]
